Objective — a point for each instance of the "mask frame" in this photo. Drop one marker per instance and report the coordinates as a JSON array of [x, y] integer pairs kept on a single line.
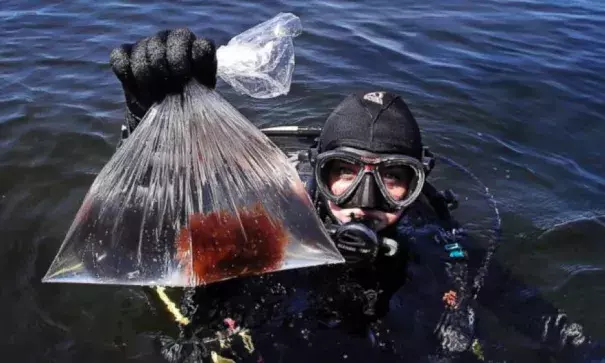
[[376, 161]]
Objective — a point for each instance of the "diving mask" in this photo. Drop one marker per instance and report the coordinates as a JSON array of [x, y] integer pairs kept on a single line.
[[353, 178]]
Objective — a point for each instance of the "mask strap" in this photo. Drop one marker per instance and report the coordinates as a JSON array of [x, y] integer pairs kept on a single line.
[[428, 160], [313, 151], [312, 156]]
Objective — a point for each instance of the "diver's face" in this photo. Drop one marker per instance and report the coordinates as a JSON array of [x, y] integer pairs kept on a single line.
[[340, 177]]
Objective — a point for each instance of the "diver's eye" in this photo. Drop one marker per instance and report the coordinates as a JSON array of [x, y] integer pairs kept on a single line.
[[345, 171], [394, 175]]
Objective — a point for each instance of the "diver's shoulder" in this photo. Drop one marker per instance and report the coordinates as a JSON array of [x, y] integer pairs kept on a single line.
[[424, 211]]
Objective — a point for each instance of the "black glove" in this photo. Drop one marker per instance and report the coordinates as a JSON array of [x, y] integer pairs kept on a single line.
[[356, 242], [160, 65]]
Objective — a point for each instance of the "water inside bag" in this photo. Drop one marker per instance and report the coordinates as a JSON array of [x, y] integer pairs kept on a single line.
[[196, 194]]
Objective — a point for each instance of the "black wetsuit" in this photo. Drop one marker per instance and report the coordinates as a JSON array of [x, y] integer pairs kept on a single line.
[[416, 306]]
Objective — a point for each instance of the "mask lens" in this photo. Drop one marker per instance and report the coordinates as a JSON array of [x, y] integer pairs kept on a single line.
[[340, 175], [398, 180]]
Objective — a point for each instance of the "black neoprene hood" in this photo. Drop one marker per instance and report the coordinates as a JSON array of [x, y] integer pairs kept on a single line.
[[379, 122]]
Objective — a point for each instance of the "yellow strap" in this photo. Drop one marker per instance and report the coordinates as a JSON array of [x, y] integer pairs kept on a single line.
[[218, 359], [478, 350], [171, 306], [247, 339]]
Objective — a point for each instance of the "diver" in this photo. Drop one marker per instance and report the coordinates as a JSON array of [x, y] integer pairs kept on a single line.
[[407, 284]]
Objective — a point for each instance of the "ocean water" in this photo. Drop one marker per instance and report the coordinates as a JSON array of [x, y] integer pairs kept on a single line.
[[512, 90]]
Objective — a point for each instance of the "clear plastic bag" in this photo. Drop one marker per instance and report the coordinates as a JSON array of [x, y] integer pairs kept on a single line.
[[196, 194], [260, 61]]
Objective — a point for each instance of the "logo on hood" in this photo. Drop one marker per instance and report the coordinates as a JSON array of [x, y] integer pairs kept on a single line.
[[375, 97]]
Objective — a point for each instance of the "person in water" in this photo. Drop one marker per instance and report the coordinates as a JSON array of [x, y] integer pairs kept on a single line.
[[407, 286]]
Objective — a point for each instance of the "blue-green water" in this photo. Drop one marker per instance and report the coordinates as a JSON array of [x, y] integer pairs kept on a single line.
[[511, 89]]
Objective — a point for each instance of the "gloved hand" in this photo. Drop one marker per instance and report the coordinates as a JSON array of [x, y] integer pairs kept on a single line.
[[160, 65]]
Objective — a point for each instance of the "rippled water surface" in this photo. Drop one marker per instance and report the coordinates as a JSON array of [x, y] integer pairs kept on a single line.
[[513, 90]]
